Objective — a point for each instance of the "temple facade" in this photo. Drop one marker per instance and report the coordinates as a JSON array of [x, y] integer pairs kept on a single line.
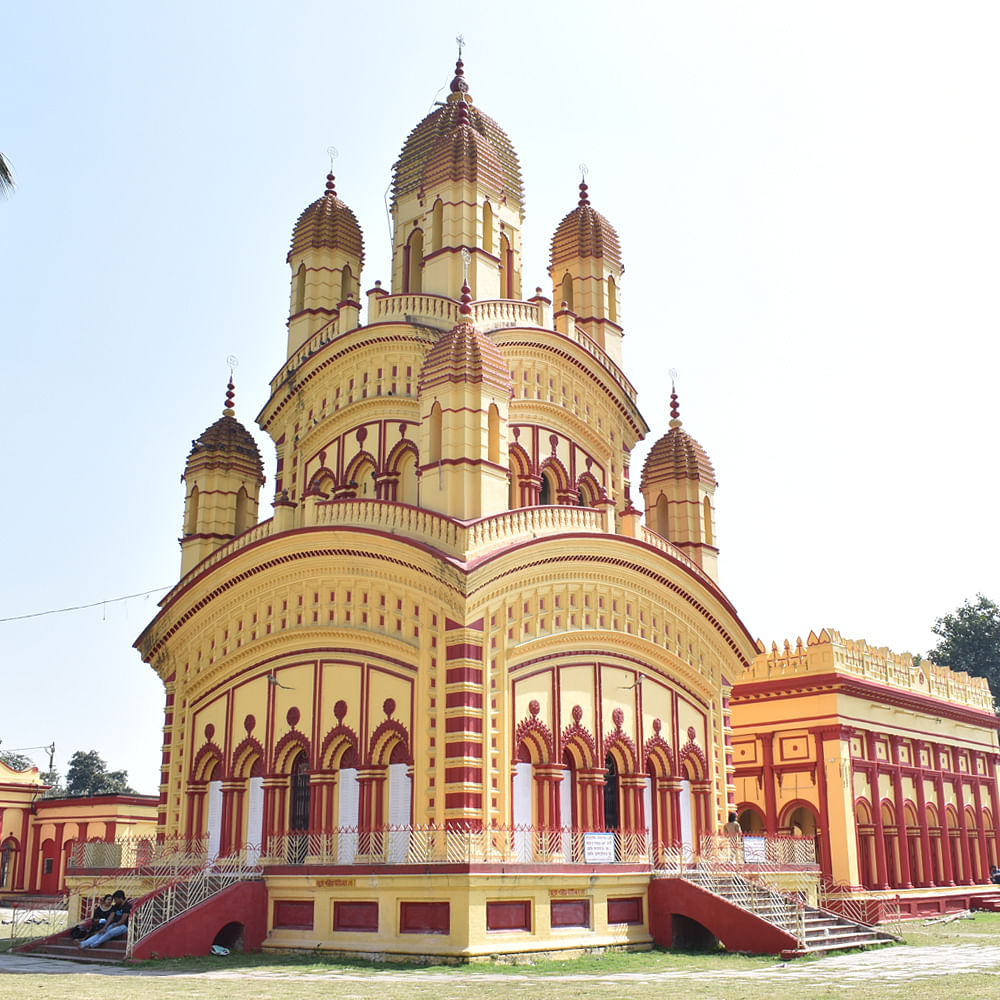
[[452, 643]]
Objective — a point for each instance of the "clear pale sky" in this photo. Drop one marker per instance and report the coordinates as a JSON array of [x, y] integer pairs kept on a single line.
[[808, 203]]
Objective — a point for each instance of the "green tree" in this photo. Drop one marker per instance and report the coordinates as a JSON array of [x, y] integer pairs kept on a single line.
[[970, 641], [89, 775], [16, 760], [6, 176]]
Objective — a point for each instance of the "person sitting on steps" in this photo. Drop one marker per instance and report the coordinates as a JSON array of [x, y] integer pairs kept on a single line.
[[117, 924]]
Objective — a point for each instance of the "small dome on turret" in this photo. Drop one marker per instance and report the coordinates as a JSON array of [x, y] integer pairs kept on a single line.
[[677, 455], [456, 141], [328, 222], [585, 233], [227, 439], [463, 354]]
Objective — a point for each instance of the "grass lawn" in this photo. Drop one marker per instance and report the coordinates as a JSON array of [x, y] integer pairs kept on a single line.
[[942, 962]]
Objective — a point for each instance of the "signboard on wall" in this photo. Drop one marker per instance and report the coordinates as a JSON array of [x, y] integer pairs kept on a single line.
[[598, 848]]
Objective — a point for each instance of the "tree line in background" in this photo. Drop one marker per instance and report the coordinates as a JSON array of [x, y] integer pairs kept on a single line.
[[88, 775]]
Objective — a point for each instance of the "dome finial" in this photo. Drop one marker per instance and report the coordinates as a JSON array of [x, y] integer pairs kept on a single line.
[[459, 85], [233, 363], [333, 154], [584, 199], [465, 308], [675, 412]]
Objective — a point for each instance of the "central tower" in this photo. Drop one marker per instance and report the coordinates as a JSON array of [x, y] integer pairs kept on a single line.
[[457, 186]]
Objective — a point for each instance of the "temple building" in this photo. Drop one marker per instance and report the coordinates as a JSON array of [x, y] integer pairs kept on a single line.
[[454, 695], [452, 640], [889, 764]]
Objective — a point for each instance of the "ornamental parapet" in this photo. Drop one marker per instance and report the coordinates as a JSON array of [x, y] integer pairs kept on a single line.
[[829, 652], [441, 313], [463, 540]]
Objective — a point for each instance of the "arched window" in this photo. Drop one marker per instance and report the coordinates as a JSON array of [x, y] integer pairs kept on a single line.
[[706, 505], [191, 514], [434, 449], [493, 446], [567, 290], [242, 511], [437, 225], [255, 812], [546, 491], [487, 227], [611, 814], [298, 787], [507, 263], [299, 290], [346, 283], [414, 263], [612, 312], [213, 821], [8, 857], [406, 484], [662, 508]]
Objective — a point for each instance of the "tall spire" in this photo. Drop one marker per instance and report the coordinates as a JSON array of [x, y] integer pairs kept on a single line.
[[459, 85], [675, 410]]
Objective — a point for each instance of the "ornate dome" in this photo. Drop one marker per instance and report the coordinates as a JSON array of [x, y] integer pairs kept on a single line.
[[328, 222], [456, 141], [676, 455], [227, 438], [463, 354], [585, 233]]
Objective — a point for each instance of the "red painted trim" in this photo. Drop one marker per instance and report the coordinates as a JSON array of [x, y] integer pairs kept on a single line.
[[464, 651], [464, 675]]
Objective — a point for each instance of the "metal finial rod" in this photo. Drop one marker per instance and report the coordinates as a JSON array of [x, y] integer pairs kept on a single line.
[[584, 170], [461, 42], [234, 363], [332, 152], [466, 258]]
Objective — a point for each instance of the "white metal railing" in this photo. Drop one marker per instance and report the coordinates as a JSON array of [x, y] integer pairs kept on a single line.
[[167, 902], [878, 912], [152, 856], [470, 843]]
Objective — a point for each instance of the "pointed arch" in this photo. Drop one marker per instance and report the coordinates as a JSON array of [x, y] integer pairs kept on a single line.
[[413, 262], [360, 476], [205, 763], [588, 490], [287, 749], [520, 467], [347, 291], [555, 482], [577, 741], [382, 748], [507, 268], [621, 746], [532, 734], [339, 749], [435, 435], [299, 290], [488, 227], [242, 510], [402, 463], [657, 753], [244, 757], [191, 513], [437, 225], [566, 290], [693, 761]]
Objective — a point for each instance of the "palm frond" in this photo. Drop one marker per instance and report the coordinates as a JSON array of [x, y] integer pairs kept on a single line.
[[6, 177]]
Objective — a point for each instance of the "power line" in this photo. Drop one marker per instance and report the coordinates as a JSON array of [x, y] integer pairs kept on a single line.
[[83, 607]]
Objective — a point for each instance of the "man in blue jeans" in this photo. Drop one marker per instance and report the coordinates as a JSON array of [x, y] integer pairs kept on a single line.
[[117, 924]]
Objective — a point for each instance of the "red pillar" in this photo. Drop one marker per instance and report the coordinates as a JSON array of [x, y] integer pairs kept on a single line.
[[945, 838], [881, 868], [925, 837], [902, 842], [963, 826], [770, 800]]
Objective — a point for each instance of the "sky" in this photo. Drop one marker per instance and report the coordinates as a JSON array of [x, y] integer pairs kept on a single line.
[[808, 203]]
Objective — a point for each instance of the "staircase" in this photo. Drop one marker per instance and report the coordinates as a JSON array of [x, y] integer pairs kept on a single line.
[[988, 900], [817, 931], [64, 947]]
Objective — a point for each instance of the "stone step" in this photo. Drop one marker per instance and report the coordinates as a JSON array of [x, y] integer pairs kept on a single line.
[[67, 949]]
